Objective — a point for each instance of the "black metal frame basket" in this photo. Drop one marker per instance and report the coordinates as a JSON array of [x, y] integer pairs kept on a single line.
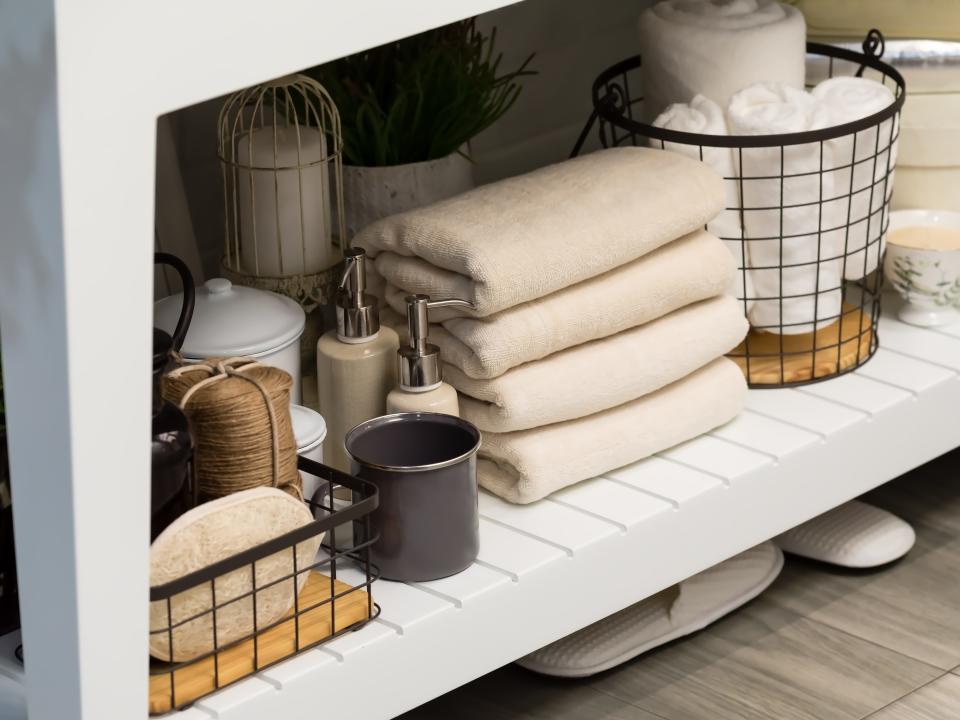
[[365, 499], [783, 354]]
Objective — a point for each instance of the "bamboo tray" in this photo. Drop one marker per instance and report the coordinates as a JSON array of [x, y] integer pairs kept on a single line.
[[840, 346], [282, 641]]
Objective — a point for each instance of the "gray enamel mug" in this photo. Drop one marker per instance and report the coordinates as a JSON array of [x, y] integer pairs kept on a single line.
[[425, 467]]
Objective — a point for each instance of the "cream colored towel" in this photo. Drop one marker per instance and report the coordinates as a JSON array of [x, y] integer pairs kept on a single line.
[[528, 465], [526, 237], [604, 373], [693, 268]]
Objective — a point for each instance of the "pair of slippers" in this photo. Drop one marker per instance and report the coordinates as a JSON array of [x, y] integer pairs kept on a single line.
[[854, 535]]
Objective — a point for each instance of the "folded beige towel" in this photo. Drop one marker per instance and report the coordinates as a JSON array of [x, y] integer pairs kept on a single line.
[[525, 466], [604, 373], [693, 268], [525, 237]]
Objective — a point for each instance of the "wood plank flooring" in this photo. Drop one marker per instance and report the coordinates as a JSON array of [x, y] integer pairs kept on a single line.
[[820, 644]]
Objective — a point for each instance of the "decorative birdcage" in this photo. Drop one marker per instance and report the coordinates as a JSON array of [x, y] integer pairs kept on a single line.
[[280, 148]]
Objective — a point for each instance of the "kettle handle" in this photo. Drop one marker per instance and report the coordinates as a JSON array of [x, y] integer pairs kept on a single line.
[[189, 295]]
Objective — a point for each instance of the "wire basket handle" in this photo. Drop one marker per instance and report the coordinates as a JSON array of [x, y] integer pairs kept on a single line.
[[873, 46], [612, 99]]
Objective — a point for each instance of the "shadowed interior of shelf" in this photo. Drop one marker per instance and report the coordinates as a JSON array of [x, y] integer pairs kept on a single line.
[[801, 358], [200, 678]]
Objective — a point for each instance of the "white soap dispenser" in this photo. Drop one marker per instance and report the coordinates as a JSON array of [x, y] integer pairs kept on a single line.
[[420, 386], [356, 364]]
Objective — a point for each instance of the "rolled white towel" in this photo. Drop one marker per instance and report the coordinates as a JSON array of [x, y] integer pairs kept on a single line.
[[717, 47], [844, 100], [782, 187], [703, 116]]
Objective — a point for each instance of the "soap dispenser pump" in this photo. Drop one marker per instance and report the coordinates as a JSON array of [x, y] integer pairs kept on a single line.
[[420, 386], [355, 362]]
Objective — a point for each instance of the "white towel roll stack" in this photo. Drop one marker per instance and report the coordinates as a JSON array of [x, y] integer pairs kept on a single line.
[[716, 47], [796, 284], [870, 154], [703, 116]]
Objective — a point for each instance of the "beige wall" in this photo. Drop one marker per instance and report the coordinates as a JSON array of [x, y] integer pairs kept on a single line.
[[574, 40]]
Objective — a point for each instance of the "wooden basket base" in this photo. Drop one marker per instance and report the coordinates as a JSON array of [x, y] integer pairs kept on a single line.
[[799, 358], [279, 642]]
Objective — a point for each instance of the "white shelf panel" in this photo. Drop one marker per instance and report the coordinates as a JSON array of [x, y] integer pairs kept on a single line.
[[804, 411], [914, 376], [552, 523], [552, 567], [615, 503], [517, 555], [860, 393], [675, 483], [295, 34], [769, 436], [719, 458]]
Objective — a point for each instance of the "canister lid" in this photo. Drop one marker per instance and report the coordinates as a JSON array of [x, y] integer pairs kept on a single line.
[[309, 427], [233, 320]]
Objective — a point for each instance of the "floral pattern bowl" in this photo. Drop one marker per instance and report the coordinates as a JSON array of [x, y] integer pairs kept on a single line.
[[927, 279]]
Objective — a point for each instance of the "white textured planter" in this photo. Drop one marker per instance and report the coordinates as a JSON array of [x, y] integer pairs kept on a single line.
[[371, 193]]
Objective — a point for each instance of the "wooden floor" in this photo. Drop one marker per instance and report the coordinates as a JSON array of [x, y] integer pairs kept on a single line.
[[820, 644]]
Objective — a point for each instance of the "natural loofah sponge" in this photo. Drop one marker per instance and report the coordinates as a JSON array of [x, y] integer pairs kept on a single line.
[[209, 533]]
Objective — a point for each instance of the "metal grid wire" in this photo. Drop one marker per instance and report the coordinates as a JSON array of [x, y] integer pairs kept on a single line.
[[806, 218], [330, 557]]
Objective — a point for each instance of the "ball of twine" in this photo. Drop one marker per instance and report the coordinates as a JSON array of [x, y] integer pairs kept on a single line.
[[239, 412]]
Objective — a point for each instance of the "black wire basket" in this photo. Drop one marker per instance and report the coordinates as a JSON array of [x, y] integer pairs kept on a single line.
[[330, 595], [809, 235]]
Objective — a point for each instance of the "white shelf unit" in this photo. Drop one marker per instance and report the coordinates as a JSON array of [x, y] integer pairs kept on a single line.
[[87, 81], [550, 568]]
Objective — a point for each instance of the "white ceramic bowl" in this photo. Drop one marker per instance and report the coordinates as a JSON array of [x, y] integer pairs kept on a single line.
[[928, 280]]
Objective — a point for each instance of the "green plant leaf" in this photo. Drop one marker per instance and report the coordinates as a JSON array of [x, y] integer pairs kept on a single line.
[[420, 98]]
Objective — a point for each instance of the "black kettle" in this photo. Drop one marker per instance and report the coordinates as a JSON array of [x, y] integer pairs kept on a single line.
[[173, 488]]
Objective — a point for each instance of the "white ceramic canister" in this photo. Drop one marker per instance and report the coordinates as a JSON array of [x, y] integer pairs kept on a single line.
[[232, 320], [309, 429]]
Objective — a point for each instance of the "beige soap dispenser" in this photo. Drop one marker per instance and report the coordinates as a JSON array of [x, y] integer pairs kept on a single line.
[[420, 386], [356, 365]]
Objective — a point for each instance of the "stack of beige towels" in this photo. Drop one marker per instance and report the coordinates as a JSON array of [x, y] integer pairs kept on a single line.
[[601, 312]]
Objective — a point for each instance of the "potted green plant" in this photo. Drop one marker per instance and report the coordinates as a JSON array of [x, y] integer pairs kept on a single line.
[[408, 110]]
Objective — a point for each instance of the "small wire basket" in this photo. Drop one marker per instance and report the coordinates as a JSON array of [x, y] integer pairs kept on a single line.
[[806, 217], [329, 590]]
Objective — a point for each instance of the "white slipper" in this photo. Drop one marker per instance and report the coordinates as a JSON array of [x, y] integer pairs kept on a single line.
[[854, 535], [673, 613]]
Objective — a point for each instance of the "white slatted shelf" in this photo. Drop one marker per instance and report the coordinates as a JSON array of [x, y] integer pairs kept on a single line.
[[720, 458], [810, 413], [510, 552], [766, 435], [552, 567], [623, 506], [553, 523], [675, 483], [920, 344], [899, 371], [862, 393]]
